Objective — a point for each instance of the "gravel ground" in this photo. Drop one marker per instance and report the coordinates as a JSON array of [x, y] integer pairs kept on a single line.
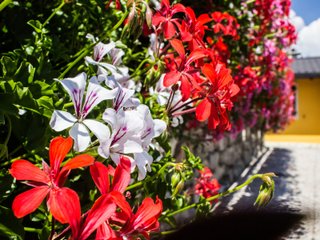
[[297, 196]]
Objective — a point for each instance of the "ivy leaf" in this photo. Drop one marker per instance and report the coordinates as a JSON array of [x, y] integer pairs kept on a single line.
[[10, 225]]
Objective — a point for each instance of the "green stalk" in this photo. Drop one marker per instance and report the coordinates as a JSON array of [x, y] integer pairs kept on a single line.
[[88, 49], [4, 4], [237, 188], [139, 184], [54, 13], [35, 230]]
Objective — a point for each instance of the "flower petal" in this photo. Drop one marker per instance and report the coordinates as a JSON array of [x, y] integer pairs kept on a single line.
[[25, 170], [81, 137], [76, 87], [147, 213], [101, 49], [143, 160], [103, 208], [105, 232], [178, 46], [110, 117], [61, 120], [203, 110], [100, 130], [64, 205], [79, 161], [159, 127], [100, 175], [28, 201], [58, 149], [171, 78], [96, 94], [121, 177]]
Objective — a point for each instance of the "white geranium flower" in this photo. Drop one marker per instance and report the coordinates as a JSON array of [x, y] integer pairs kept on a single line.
[[95, 93]]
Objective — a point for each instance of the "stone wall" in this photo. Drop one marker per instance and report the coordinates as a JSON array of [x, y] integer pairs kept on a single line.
[[230, 156]]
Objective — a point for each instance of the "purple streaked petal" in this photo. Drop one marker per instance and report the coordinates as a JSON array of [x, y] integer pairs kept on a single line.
[[75, 87], [81, 137], [101, 49], [95, 94], [116, 55], [122, 97], [61, 120]]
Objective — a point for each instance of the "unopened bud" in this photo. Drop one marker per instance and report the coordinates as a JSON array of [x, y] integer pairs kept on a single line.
[[178, 188], [175, 178]]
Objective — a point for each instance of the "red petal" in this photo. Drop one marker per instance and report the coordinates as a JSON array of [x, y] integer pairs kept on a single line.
[[185, 88], [204, 18], [106, 232], [203, 110], [157, 19], [224, 76], [148, 213], [64, 204], [171, 78], [234, 89], [214, 120], [25, 170], [121, 177], [58, 149], [82, 160], [169, 29], [196, 54], [27, 202], [177, 8], [210, 73], [178, 46], [101, 211], [100, 175]]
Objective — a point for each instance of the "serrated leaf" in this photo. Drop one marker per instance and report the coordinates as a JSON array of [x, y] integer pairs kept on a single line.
[[9, 224]]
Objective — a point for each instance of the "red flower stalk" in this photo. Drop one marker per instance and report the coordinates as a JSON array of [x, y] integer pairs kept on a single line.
[[207, 186], [48, 181]]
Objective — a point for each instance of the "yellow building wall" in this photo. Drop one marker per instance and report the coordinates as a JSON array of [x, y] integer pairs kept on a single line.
[[308, 102]]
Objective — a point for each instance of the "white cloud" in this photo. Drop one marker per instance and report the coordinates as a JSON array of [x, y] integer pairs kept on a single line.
[[308, 43], [297, 21]]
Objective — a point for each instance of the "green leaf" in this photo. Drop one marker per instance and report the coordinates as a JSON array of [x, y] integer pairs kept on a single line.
[[36, 25], [10, 226], [6, 183]]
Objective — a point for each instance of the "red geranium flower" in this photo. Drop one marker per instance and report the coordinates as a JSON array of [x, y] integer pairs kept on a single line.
[[207, 186], [49, 180]]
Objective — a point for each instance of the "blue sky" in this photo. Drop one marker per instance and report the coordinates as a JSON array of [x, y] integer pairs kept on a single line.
[[309, 10], [305, 15]]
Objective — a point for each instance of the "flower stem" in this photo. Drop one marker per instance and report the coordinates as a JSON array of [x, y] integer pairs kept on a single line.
[[229, 191], [54, 13], [83, 52], [139, 184], [4, 4], [29, 229], [52, 229]]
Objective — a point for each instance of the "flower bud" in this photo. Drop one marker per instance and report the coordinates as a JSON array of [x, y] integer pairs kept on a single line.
[[175, 178]]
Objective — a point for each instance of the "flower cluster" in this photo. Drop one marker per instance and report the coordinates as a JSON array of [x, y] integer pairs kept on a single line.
[[64, 203]]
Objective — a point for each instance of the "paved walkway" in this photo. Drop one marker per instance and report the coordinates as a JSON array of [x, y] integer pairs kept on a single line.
[[296, 204]]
